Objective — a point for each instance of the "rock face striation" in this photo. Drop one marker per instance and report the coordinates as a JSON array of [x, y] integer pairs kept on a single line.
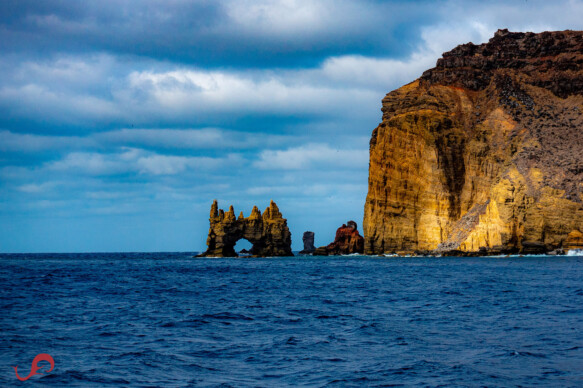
[[483, 153], [268, 233], [308, 240], [346, 242]]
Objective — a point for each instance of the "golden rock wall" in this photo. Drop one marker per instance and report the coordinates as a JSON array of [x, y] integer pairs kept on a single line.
[[495, 166]]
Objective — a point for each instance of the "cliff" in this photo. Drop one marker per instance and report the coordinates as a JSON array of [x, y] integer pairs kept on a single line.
[[268, 233], [347, 241], [483, 153]]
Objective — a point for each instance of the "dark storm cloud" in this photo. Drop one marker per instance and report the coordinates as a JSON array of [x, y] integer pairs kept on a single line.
[[212, 33]]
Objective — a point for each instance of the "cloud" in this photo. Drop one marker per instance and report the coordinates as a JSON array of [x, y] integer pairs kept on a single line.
[[265, 33], [10, 141], [100, 90], [349, 85], [92, 163], [34, 188], [151, 109], [280, 17], [166, 138], [174, 97], [195, 139], [240, 34], [171, 165], [307, 189], [308, 156], [301, 20], [376, 73], [172, 140], [41, 103], [132, 160], [188, 92]]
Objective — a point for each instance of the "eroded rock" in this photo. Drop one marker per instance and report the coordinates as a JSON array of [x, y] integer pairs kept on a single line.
[[308, 240], [483, 153], [268, 233], [346, 242]]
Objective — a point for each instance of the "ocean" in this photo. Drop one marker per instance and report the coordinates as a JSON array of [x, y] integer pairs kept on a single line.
[[171, 320]]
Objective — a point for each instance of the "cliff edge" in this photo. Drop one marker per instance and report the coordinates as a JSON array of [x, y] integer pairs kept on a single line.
[[483, 153]]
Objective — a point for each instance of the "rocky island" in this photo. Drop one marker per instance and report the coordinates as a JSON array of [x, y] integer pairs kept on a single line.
[[308, 240], [483, 153], [268, 233], [346, 242]]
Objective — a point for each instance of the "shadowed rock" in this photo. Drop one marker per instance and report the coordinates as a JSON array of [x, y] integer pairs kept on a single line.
[[308, 240], [268, 233]]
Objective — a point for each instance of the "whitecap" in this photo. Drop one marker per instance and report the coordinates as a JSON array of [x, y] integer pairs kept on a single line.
[[575, 252]]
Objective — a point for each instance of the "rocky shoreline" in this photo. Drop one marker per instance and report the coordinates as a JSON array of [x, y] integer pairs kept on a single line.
[[481, 156]]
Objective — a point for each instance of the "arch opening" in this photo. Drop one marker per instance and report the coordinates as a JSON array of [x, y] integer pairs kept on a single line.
[[243, 247]]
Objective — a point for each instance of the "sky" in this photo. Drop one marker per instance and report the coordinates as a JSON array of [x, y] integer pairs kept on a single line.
[[121, 121]]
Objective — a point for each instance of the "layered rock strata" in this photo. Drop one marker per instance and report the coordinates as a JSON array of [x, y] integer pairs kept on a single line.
[[308, 240], [347, 241], [268, 232], [483, 153]]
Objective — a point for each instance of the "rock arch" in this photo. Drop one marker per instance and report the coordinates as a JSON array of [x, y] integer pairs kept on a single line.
[[268, 233]]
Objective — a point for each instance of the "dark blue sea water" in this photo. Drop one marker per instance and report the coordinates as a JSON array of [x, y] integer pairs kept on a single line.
[[167, 319]]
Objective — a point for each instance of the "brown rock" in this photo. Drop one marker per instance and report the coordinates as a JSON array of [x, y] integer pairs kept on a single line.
[[269, 233], [483, 151], [346, 242], [574, 241]]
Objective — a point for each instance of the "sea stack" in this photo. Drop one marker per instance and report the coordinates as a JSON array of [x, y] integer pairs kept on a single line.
[[347, 241], [483, 153], [308, 240], [268, 233]]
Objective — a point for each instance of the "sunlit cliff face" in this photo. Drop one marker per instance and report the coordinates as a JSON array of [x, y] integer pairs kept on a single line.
[[483, 152]]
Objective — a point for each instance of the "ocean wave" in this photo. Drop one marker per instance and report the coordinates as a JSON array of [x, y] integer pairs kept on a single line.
[[155, 320]]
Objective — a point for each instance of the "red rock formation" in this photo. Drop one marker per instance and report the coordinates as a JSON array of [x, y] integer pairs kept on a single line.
[[346, 242]]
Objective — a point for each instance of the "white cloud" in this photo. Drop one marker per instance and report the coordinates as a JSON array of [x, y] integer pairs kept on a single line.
[[70, 72], [283, 16], [40, 101], [90, 163], [34, 188], [132, 160], [188, 92], [307, 189], [94, 89], [10, 141], [204, 138], [195, 139], [175, 138], [107, 195], [171, 165], [297, 18], [307, 156], [377, 73]]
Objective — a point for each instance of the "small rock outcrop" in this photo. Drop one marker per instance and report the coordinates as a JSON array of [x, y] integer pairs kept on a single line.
[[308, 240], [346, 242], [574, 241], [483, 154], [268, 233]]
